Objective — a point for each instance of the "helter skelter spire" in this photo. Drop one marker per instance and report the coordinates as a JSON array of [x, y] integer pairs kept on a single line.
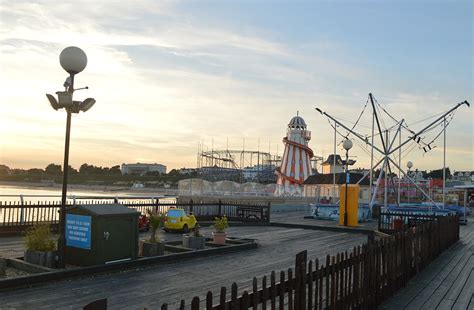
[[295, 165]]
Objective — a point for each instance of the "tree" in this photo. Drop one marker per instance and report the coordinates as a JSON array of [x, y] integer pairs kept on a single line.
[[438, 174], [173, 172], [35, 172], [71, 171], [115, 170], [53, 169]]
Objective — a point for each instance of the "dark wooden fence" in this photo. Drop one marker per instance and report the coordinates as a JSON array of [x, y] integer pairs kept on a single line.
[[16, 216], [360, 279], [393, 221]]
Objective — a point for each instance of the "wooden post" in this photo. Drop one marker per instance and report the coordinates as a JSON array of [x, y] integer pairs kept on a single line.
[[209, 301], [222, 298], [195, 303], [255, 295], [100, 304]]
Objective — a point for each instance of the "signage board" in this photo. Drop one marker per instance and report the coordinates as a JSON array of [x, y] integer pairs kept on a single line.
[[78, 231]]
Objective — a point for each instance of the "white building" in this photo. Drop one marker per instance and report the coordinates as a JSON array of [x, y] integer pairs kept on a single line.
[[338, 167], [142, 169]]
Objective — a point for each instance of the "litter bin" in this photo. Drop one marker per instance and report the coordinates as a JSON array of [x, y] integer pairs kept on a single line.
[[352, 205], [101, 234]]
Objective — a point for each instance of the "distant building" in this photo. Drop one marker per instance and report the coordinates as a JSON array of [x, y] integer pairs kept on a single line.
[[187, 171], [463, 176], [142, 169], [329, 167]]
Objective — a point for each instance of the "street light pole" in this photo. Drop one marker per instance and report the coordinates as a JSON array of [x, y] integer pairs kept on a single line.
[[73, 60], [409, 165], [62, 220], [347, 146]]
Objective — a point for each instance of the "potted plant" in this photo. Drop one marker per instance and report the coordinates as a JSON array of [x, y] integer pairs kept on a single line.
[[154, 246], [220, 225], [40, 247], [195, 241]]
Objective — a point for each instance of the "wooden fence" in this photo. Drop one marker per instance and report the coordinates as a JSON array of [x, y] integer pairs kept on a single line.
[[393, 221], [16, 216], [360, 279]]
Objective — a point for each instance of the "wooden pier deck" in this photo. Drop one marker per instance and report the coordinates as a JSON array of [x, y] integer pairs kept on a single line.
[[152, 286], [447, 283]]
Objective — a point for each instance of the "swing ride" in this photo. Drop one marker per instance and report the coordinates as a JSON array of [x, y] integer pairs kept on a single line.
[[386, 130]]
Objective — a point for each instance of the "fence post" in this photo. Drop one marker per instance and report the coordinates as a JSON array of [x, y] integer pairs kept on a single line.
[[100, 304], [300, 274], [190, 206], [268, 211], [21, 210], [220, 208]]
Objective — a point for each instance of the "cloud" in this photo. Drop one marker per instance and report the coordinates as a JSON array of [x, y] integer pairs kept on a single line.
[[165, 80]]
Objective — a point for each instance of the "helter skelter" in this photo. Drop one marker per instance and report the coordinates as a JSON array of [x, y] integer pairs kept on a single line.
[[296, 162], [424, 138]]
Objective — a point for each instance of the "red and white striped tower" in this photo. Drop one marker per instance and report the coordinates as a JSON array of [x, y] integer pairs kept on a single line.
[[295, 165]]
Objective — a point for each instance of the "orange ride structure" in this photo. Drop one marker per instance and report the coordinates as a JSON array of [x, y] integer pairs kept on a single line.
[[295, 165]]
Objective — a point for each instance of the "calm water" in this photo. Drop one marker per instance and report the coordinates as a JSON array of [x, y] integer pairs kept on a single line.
[[12, 193]]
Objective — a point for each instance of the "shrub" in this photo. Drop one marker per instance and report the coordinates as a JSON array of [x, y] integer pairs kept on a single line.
[[220, 224], [155, 218], [38, 238]]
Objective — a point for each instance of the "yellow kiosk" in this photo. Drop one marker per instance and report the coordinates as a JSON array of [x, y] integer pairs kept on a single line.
[[352, 204]]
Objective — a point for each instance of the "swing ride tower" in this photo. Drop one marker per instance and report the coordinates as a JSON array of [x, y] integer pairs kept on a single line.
[[383, 141]]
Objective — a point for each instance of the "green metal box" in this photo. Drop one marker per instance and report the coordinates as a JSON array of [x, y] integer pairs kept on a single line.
[[101, 234]]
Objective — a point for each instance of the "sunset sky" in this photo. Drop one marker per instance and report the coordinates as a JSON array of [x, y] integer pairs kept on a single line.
[[168, 75]]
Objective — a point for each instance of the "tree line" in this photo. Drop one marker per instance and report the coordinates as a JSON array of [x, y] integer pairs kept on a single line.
[[89, 174]]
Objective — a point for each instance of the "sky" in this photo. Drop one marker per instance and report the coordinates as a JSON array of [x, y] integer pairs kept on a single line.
[[169, 75]]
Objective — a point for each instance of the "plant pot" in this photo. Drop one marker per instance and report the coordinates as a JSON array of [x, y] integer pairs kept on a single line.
[[193, 242], [219, 237], [152, 249], [42, 258]]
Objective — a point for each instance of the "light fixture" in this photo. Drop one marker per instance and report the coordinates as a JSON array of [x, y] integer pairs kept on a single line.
[[347, 144], [73, 59], [86, 104], [54, 103]]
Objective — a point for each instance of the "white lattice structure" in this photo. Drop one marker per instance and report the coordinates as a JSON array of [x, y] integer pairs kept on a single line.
[[296, 165]]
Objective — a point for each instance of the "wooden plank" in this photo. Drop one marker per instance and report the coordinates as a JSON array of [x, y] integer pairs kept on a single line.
[[465, 299], [264, 293], [195, 303], [281, 301], [245, 301], [255, 295], [209, 301], [222, 298], [273, 291]]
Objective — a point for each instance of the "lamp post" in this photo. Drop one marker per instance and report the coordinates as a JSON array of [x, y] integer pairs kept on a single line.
[[409, 166], [347, 145], [73, 60]]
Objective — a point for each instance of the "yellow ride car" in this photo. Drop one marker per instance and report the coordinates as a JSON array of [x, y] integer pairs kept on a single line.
[[178, 220]]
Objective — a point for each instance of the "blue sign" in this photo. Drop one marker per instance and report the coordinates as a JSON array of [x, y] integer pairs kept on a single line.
[[348, 177], [78, 231]]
